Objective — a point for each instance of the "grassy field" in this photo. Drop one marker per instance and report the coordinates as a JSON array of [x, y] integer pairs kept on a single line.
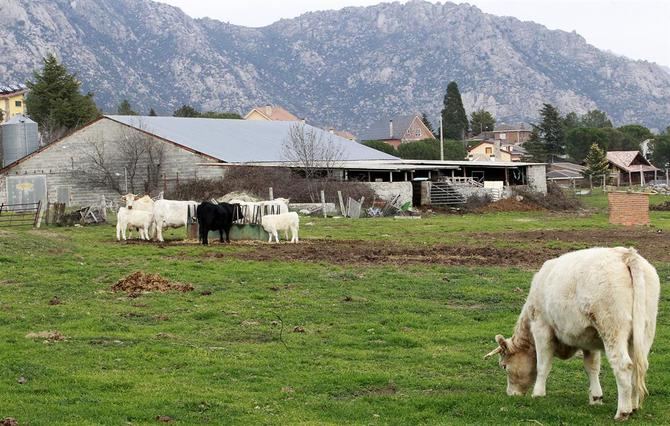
[[291, 341]]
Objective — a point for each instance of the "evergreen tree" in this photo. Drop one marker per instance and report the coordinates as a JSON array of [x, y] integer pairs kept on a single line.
[[54, 100], [636, 132], [578, 142], [225, 115], [454, 119], [620, 141], [481, 121], [152, 113], [596, 163], [426, 122], [2, 115], [660, 154], [186, 111], [546, 141], [596, 119], [124, 108], [381, 146], [571, 121]]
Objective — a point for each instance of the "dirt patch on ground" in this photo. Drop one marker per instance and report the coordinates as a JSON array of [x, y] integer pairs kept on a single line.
[[138, 282], [521, 249], [46, 336], [509, 205]]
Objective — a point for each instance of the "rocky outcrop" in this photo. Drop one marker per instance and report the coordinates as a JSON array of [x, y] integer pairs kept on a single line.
[[344, 68]]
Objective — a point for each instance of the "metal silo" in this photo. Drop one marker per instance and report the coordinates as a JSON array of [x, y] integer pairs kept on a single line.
[[19, 138]]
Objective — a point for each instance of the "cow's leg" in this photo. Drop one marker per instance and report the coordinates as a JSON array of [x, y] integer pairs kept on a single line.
[[544, 351], [592, 367], [221, 240], [276, 234], [159, 231], [205, 235], [118, 231], [622, 365], [123, 232]]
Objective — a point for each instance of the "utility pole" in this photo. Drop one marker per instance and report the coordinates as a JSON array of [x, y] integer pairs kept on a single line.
[[441, 140]]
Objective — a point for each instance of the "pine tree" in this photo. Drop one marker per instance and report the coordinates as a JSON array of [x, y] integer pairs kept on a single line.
[[481, 121], [426, 122], [124, 108], [186, 111], [152, 113], [596, 163], [454, 119], [548, 137], [54, 100]]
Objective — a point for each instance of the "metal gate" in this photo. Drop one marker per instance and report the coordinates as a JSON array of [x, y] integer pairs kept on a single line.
[[442, 193], [27, 189], [20, 214]]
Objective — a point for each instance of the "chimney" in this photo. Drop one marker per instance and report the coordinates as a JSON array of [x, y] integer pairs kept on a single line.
[[303, 121], [268, 110], [390, 129], [496, 150], [331, 131]]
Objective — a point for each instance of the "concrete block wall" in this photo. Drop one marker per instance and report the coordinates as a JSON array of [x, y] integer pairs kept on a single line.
[[628, 208], [389, 190], [537, 178], [64, 163]]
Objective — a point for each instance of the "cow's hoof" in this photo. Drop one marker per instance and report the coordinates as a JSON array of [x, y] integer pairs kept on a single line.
[[596, 400], [622, 417]]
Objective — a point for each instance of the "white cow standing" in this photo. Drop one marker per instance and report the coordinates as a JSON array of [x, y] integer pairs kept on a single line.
[[171, 214], [594, 299], [135, 202]]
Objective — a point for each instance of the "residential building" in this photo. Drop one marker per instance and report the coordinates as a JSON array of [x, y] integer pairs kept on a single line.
[[515, 135], [270, 113], [398, 130], [487, 150], [12, 101]]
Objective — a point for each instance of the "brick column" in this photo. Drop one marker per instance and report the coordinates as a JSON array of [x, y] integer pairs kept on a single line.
[[628, 208]]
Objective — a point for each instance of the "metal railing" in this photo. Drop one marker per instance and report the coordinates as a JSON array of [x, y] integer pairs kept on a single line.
[[21, 214]]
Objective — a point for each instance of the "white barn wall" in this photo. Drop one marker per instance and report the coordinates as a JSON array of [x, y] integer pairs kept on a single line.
[[61, 161]]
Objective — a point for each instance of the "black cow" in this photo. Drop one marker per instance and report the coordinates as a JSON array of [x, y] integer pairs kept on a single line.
[[217, 216]]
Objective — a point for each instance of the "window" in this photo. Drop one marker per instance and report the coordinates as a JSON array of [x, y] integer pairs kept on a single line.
[[502, 136], [417, 133], [17, 103], [489, 151]]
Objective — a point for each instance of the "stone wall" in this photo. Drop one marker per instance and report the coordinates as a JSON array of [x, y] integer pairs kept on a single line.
[[389, 190], [628, 208], [66, 162]]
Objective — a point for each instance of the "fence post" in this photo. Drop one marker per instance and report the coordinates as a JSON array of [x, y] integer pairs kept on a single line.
[[342, 210], [323, 202], [38, 215], [272, 197]]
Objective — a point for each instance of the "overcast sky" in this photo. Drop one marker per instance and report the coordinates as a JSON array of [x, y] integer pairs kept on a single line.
[[639, 29]]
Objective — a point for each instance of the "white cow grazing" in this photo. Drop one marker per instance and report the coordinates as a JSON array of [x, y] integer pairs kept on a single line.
[[595, 299], [171, 214], [273, 223], [138, 219]]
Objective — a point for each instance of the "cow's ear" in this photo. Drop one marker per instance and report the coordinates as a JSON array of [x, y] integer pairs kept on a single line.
[[502, 343], [137, 197]]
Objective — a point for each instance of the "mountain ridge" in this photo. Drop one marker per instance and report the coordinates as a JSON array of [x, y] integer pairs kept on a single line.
[[344, 68]]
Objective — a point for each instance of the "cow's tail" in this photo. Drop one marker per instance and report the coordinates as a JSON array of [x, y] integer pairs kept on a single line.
[[636, 266]]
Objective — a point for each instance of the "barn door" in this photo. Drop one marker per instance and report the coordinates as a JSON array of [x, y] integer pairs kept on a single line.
[[26, 189]]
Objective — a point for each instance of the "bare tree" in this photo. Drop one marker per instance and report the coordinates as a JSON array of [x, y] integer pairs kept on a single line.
[[119, 165]]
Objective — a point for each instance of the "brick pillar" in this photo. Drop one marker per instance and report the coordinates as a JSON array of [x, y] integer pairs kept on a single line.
[[628, 208]]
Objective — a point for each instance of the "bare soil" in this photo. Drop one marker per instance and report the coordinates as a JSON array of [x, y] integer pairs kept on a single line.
[[520, 249], [139, 282]]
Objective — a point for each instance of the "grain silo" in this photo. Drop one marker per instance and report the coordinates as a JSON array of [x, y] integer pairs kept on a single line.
[[19, 138]]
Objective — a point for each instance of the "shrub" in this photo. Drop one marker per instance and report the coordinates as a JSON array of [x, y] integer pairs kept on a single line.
[[257, 180], [381, 146], [555, 200]]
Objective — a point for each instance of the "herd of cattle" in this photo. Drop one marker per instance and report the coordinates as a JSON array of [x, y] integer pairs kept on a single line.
[[150, 218], [589, 300]]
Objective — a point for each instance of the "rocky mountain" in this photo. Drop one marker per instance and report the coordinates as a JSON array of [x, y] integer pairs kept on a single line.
[[345, 68]]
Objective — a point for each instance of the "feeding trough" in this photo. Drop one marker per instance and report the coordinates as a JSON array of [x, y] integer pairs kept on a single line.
[[248, 228]]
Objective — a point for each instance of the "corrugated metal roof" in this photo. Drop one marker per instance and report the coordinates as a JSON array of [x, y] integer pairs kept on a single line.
[[239, 141]]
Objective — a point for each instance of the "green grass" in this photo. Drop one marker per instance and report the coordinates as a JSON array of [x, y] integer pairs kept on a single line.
[[382, 344]]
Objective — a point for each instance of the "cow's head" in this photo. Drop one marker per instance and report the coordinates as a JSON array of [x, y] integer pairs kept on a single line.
[[129, 199], [518, 362]]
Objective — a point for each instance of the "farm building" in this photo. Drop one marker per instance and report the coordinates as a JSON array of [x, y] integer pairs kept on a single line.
[[630, 167], [118, 154]]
